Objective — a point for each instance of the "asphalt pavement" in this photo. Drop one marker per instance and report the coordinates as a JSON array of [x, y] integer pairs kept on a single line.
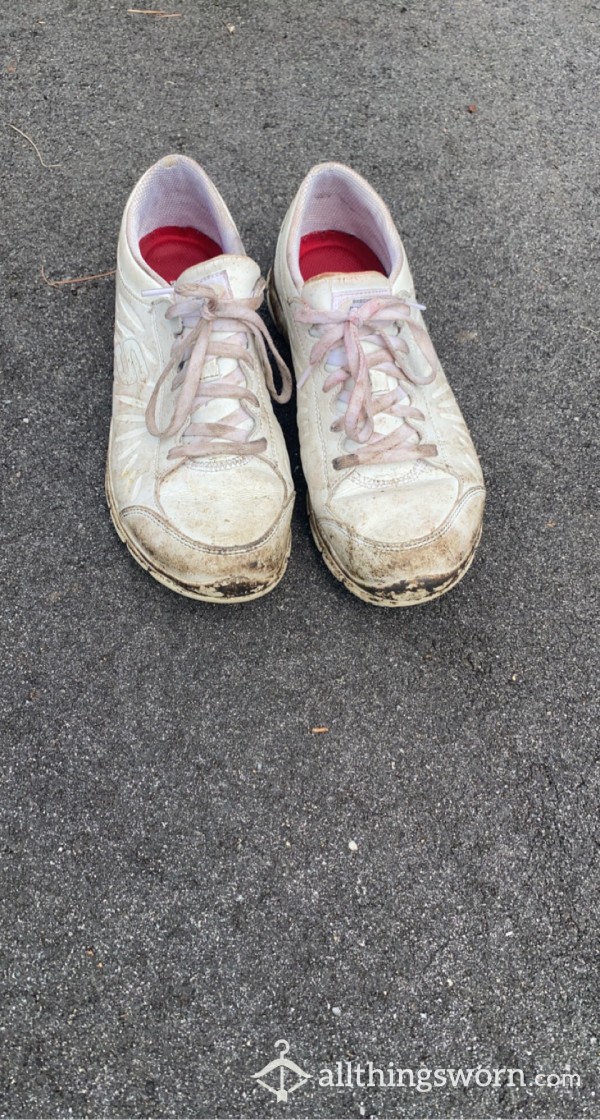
[[189, 873]]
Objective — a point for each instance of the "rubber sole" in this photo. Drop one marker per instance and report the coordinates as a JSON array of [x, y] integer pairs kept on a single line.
[[222, 597]]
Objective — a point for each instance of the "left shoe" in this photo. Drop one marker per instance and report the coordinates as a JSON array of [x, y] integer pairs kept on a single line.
[[198, 478], [396, 493]]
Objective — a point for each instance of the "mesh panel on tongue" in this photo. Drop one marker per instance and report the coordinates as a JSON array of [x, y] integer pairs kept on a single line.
[[230, 276]]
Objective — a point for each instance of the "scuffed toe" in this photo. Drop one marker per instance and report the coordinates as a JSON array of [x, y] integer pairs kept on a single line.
[[405, 571], [202, 571]]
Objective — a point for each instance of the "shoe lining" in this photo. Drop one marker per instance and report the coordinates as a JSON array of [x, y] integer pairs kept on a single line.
[[177, 218], [336, 202], [169, 250], [332, 250]]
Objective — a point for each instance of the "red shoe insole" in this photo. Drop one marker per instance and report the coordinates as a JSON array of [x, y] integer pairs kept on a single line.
[[330, 250], [169, 250]]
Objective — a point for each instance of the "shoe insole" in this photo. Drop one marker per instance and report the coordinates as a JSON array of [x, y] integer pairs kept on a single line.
[[169, 250], [330, 250]]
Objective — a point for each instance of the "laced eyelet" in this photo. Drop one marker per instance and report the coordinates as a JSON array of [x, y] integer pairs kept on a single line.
[[371, 330], [195, 310]]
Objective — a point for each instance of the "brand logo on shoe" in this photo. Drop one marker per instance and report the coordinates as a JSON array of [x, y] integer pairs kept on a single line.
[[290, 1078], [351, 301], [130, 363]]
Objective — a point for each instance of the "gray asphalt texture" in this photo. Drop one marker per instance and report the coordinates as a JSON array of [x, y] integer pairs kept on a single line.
[[178, 890]]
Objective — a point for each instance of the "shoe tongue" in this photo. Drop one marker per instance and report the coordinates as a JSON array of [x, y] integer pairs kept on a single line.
[[231, 276], [336, 290]]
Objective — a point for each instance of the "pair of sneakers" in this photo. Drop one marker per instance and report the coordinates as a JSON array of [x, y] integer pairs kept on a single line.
[[198, 478]]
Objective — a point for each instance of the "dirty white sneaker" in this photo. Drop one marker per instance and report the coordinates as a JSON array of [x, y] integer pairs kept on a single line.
[[198, 478], [396, 493]]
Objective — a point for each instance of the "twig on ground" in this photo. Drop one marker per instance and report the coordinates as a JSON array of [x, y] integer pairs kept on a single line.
[[34, 146], [75, 279], [153, 12]]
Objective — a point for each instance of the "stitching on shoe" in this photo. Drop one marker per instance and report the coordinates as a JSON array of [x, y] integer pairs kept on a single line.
[[421, 542], [226, 550], [391, 483]]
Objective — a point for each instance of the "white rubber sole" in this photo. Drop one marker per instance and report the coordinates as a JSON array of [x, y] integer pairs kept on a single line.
[[222, 597]]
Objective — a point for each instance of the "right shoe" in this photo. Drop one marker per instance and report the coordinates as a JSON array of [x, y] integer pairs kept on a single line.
[[198, 478], [396, 493]]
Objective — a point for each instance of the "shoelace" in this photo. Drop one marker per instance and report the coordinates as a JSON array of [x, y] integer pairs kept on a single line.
[[201, 311], [351, 329]]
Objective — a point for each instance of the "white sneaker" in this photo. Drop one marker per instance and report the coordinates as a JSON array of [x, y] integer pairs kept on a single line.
[[396, 493], [198, 478]]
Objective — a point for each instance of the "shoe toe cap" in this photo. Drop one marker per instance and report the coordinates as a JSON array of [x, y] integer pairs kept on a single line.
[[213, 534], [203, 572], [399, 553], [223, 505]]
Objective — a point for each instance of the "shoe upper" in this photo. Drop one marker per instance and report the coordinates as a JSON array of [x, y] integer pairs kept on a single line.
[[198, 467], [394, 479]]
